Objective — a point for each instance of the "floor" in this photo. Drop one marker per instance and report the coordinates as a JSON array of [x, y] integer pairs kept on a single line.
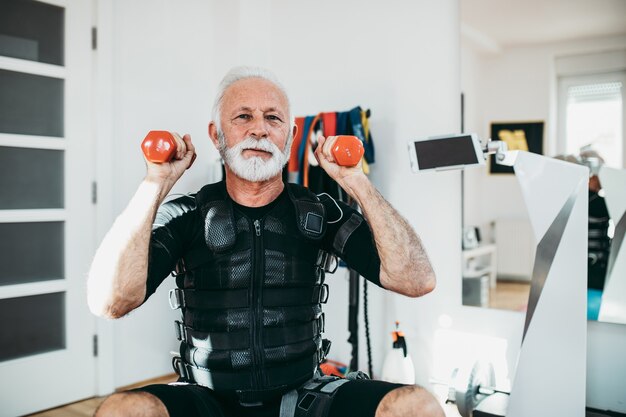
[[509, 295], [87, 407]]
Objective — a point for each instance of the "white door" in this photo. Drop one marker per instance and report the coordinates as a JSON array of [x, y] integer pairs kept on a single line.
[[46, 210]]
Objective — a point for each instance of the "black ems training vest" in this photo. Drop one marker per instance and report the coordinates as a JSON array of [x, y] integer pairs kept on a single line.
[[251, 299]]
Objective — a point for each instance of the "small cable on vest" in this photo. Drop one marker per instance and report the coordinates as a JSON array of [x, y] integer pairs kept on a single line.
[[338, 208]]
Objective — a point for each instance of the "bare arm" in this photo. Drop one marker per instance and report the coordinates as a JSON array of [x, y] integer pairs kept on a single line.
[[117, 278], [404, 265]]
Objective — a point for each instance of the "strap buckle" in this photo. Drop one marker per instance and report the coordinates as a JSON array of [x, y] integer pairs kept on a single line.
[[180, 368], [331, 264], [176, 298], [322, 296], [180, 268], [327, 262], [179, 329], [323, 350], [321, 323]]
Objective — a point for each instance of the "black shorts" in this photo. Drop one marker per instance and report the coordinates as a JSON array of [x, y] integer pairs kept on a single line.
[[356, 398]]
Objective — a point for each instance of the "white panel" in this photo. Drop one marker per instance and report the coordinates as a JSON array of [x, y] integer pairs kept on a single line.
[[550, 378], [613, 307], [29, 141], [30, 67], [32, 215], [546, 184], [33, 288]]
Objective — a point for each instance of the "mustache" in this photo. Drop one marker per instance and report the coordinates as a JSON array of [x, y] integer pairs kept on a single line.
[[257, 145]]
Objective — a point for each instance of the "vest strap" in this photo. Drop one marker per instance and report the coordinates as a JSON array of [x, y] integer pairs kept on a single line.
[[280, 336], [302, 369], [345, 231], [285, 297], [212, 341], [272, 336], [180, 298]]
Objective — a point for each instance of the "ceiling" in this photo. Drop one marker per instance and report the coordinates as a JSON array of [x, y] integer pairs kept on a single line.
[[503, 23]]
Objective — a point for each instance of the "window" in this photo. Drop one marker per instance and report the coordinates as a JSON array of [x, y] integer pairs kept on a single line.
[[591, 110]]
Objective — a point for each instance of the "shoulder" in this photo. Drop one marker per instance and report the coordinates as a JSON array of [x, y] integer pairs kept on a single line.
[[176, 209]]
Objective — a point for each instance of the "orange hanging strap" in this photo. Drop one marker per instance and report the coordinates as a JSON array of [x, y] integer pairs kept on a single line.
[[293, 157]]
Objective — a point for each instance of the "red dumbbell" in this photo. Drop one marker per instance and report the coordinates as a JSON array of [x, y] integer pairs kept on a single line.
[[159, 146], [347, 150]]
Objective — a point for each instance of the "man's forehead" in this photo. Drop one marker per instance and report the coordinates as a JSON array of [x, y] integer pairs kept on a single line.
[[255, 93], [265, 109]]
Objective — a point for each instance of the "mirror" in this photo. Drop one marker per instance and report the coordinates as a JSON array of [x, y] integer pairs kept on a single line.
[[552, 90]]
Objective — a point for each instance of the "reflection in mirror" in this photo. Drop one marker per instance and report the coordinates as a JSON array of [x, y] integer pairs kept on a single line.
[[612, 294], [569, 77], [498, 251]]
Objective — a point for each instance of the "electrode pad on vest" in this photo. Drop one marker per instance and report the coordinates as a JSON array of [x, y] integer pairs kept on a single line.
[[310, 212], [219, 220]]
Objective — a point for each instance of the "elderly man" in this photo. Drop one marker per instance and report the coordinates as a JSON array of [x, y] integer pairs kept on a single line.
[[250, 254]]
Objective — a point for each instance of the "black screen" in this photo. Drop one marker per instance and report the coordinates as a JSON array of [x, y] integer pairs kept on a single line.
[[437, 153]]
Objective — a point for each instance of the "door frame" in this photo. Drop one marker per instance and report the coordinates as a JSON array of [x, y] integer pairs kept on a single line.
[[103, 155]]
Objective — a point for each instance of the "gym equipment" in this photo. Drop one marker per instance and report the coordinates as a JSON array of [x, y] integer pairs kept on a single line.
[[469, 386], [159, 146], [347, 150], [398, 366]]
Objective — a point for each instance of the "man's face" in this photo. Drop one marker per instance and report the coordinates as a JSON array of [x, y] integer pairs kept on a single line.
[[255, 137]]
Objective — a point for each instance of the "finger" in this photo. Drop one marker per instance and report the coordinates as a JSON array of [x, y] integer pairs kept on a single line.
[[181, 148], [328, 145], [318, 150], [193, 159], [191, 150], [320, 143]]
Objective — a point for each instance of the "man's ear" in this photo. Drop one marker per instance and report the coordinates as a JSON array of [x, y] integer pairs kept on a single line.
[[294, 130], [213, 134]]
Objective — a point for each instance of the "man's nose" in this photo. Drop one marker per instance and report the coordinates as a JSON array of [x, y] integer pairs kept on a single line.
[[258, 129]]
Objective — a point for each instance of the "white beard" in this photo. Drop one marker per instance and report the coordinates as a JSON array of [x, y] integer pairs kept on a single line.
[[254, 168]]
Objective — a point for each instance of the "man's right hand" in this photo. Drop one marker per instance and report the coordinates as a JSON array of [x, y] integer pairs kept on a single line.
[[167, 173]]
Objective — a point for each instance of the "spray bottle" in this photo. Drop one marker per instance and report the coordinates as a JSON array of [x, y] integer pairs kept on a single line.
[[398, 366]]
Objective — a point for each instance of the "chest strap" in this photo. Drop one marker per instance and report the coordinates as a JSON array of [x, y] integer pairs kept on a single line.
[[239, 339], [272, 297]]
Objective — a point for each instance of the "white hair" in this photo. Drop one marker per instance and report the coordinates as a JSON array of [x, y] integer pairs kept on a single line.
[[242, 73]]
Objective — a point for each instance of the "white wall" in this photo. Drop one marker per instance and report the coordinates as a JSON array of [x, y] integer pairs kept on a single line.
[[158, 57], [519, 84]]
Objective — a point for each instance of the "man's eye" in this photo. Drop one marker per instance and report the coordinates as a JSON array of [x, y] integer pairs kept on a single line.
[[274, 117], [244, 116]]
